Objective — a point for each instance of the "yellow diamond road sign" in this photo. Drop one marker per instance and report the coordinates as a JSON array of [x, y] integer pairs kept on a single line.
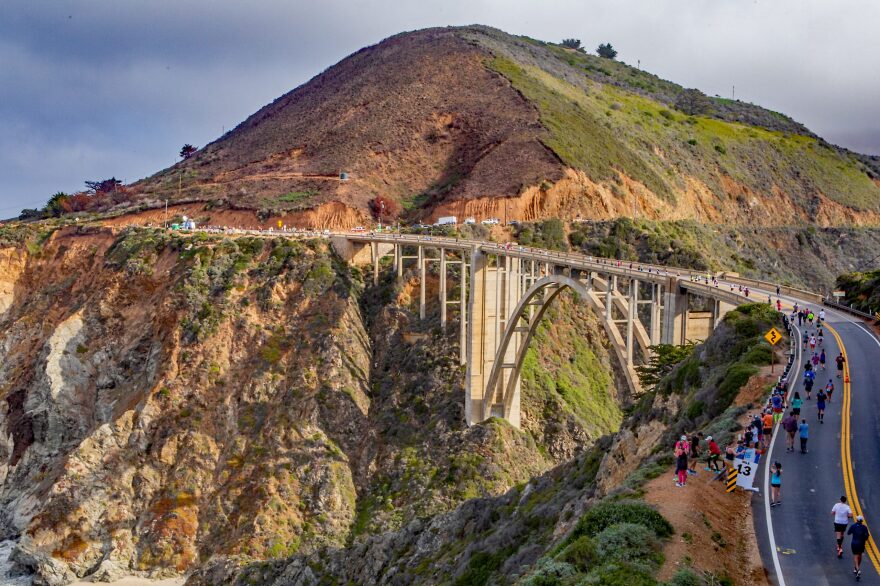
[[773, 336]]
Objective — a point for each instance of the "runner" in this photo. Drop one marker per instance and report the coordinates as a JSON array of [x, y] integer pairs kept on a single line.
[[840, 360], [777, 406], [813, 345], [778, 305], [796, 404], [790, 425], [767, 421], [814, 359], [842, 514], [821, 316], [775, 484], [829, 390], [805, 339], [713, 462], [804, 432], [859, 537], [820, 405], [822, 358], [681, 461], [809, 378]]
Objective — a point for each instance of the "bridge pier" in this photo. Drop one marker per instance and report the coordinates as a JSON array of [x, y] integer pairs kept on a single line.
[[463, 310], [421, 261]]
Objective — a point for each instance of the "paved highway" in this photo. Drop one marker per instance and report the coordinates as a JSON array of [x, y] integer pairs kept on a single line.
[[799, 541]]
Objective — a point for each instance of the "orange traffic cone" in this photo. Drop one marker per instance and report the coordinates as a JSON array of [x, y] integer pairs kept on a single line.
[[846, 379]]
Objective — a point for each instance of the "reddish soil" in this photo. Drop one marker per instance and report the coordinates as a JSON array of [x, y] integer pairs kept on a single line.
[[714, 530]]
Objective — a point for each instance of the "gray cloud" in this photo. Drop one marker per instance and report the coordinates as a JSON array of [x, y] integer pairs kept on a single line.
[[93, 88]]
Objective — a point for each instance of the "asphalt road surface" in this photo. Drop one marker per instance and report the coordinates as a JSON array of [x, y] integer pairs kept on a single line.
[[799, 540]]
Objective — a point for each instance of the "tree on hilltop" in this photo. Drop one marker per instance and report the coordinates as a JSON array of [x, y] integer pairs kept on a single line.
[[693, 102], [606, 50], [57, 205], [573, 44], [104, 186], [187, 151]]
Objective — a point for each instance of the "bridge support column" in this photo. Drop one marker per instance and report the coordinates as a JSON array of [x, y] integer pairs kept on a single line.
[[675, 309], [421, 261], [399, 250], [719, 310], [655, 314], [630, 317], [463, 311], [374, 251], [610, 286], [481, 342], [443, 289]]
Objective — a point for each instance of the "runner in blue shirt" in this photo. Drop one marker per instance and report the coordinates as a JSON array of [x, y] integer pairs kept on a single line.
[[859, 538], [804, 430]]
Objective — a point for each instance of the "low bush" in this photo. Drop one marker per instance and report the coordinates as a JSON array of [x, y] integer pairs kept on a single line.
[[630, 543], [616, 574], [606, 514], [581, 553]]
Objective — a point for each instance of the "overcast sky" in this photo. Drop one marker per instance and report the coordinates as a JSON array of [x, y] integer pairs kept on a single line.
[[94, 88]]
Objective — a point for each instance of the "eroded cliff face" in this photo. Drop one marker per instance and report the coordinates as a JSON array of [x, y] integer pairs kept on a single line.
[[166, 399]]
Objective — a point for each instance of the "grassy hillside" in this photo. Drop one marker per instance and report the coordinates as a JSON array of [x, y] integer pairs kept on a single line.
[[455, 120]]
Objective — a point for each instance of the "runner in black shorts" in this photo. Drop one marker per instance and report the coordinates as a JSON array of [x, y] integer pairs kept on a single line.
[[842, 514], [859, 537]]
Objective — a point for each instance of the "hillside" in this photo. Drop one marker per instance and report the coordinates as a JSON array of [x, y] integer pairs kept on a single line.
[[473, 121], [166, 399]]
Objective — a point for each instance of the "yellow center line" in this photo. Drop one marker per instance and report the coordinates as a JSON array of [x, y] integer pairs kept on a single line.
[[846, 454]]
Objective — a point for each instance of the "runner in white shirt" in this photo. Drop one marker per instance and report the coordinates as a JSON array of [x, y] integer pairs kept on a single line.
[[842, 514]]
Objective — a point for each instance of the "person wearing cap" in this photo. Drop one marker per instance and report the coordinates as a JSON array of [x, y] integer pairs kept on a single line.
[[859, 533], [713, 462]]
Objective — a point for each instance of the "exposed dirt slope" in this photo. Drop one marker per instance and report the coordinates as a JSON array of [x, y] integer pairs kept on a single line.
[[473, 121]]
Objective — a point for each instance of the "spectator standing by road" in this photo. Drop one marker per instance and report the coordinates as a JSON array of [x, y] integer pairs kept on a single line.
[[713, 462], [767, 421], [681, 461], [695, 452], [775, 484]]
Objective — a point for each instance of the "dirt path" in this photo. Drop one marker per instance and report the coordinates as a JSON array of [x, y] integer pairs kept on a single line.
[[714, 530]]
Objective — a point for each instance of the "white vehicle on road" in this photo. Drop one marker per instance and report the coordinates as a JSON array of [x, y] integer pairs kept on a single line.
[[470, 221], [491, 221], [446, 221]]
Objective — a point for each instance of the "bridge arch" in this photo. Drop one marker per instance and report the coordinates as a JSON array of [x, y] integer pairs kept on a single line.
[[502, 386]]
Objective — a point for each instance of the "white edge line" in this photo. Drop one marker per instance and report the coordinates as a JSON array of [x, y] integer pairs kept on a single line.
[[769, 456]]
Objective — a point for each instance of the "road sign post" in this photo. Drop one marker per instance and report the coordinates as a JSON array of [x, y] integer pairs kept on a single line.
[[773, 336]]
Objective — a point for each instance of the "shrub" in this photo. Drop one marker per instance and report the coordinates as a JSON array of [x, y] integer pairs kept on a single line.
[[581, 553], [735, 377], [685, 577], [605, 514], [692, 142], [720, 149], [629, 543], [550, 573], [620, 575]]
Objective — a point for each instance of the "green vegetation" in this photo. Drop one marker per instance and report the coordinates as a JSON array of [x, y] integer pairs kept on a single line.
[[576, 134], [609, 513], [549, 235], [862, 290], [298, 197], [663, 358], [562, 373]]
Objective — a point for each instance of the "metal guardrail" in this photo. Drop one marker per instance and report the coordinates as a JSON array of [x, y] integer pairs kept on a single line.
[[850, 309]]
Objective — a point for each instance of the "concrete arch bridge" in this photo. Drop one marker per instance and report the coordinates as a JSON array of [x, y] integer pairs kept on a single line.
[[504, 291]]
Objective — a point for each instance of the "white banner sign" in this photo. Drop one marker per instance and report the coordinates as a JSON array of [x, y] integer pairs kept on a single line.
[[747, 466]]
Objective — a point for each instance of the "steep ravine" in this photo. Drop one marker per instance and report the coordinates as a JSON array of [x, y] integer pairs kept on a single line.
[[169, 399]]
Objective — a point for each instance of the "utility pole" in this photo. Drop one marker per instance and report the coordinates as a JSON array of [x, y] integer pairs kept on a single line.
[[733, 93], [165, 223]]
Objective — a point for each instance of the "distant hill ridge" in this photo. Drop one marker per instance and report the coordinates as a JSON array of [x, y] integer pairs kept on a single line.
[[474, 121]]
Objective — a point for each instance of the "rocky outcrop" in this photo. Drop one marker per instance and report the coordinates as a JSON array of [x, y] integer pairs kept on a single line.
[[169, 398]]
